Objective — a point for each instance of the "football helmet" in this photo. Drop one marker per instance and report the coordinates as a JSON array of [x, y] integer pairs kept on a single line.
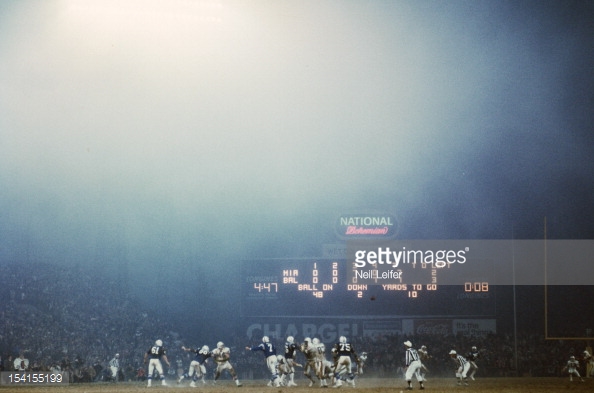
[[290, 339], [205, 348], [315, 341], [220, 344], [342, 339], [159, 343], [265, 339]]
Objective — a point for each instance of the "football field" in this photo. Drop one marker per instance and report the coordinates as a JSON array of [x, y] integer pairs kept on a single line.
[[384, 385]]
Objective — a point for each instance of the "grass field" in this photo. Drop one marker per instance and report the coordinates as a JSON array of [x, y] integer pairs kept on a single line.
[[484, 385]]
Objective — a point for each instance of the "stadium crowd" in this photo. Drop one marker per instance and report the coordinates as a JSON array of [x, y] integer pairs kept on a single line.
[[76, 320]]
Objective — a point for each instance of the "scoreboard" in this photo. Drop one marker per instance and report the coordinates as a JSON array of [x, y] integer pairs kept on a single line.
[[322, 287]]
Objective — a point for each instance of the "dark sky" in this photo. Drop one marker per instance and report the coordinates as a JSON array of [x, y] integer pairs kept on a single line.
[[176, 138]]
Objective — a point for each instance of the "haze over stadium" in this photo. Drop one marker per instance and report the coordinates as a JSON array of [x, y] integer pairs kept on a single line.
[[166, 141]]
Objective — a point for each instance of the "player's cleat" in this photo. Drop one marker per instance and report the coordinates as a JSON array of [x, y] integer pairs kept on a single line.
[[310, 384], [471, 377], [163, 383], [337, 384], [291, 383], [192, 384]]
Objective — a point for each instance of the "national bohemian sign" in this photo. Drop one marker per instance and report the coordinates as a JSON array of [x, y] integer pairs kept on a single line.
[[366, 226]]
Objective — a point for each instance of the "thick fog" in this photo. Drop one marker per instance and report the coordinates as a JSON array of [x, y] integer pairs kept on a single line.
[[168, 140]]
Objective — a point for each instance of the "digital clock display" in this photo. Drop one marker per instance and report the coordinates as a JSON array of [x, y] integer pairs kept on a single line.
[[322, 287]]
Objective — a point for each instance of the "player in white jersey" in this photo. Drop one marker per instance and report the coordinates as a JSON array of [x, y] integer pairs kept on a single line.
[[309, 351], [424, 356], [362, 361], [462, 367], [572, 368], [221, 355], [154, 355], [321, 364], [589, 361], [413, 366]]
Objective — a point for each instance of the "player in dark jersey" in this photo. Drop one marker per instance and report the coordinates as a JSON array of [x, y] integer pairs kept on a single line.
[[343, 354], [197, 366], [290, 348], [154, 355], [472, 356], [269, 351]]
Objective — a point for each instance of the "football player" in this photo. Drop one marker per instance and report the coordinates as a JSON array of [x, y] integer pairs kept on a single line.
[[269, 351], [221, 355], [472, 356], [424, 356], [290, 348], [308, 349], [572, 368], [320, 362], [343, 352], [156, 353], [197, 366]]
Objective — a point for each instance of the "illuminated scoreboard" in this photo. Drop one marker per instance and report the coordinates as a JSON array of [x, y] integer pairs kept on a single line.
[[321, 287]]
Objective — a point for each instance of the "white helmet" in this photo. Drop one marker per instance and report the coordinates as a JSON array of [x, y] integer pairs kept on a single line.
[[315, 341], [474, 348], [159, 343], [280, 358], [290, 339], [205, 348], [220, 344], [452, 352], [265, 339], [342, 339], [307, 339]]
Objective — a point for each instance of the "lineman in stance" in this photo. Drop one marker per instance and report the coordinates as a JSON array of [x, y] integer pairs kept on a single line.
[[197, 366], [221, 355], [269, 351], [343, 351], [413, 366], [156, 353]]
